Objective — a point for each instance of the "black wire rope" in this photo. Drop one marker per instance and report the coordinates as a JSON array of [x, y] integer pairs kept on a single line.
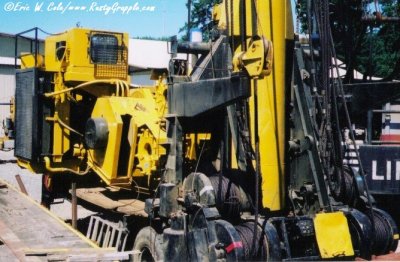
[[349, 124]]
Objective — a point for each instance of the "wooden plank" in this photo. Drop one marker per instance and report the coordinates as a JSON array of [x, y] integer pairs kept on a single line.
[[125, 206], [93, 256], [132, 207], [13, 243], [24, 224], [95, 196], [7, 255]]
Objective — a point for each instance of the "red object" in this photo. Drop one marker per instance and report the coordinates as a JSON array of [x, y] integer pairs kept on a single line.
[[233, 246]]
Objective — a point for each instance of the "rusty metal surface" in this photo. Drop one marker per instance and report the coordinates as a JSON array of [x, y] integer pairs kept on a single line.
[[21, 184], [74, 203]]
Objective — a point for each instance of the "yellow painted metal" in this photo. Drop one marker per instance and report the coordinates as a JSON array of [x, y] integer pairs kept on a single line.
[[145, 135], [69, 52], [28, 60], [276, 26], [68, 56], [61, 135], [333, 235], [272, 22], [88, 71], [193, 142], [25, 164]]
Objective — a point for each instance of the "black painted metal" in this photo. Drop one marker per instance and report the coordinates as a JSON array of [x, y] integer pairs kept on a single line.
[[296, 237], [382, 164], [33, 133], [361, 233], [304, 130], [195, 98]]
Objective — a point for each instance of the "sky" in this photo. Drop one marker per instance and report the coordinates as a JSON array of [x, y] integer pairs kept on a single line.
[[139, 18]]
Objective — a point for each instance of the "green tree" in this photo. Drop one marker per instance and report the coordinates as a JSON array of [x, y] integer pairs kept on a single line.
[[201, 17], [371, 48]]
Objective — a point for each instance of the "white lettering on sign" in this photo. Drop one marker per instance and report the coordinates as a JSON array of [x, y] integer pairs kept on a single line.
[[388, 170], [374, 174], [388, 176], [397, 170]]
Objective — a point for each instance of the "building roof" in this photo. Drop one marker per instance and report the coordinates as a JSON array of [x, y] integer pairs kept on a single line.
[[6, 35]]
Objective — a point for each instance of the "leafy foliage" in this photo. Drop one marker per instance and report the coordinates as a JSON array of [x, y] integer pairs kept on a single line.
[[371, 48], [201, 17]]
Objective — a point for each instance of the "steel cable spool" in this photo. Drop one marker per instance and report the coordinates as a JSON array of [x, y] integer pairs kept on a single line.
[[380, 242], [246, 233], [345, 188], [231, 200], [349, 194], [386, 233]]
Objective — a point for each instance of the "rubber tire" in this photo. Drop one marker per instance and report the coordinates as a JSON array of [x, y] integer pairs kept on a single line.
[[149, 241]]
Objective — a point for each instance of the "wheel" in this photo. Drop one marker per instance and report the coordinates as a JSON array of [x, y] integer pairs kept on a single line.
[[149, 244]]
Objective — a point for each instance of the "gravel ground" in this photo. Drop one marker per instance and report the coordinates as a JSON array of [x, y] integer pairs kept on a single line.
[[33, 182]]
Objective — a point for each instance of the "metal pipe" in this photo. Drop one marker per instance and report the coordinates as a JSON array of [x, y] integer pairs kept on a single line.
[[86, 84], [21, 184], [36, 46], [369, 126], [189, 3], [74, 204], [62, 169], [15, 51], [194, 48], [242, 22], [386, 111]]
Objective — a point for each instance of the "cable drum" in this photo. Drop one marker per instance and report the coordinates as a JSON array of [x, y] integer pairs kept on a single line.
[[230, 198], [251, 252], [386, 233], [343, 186]]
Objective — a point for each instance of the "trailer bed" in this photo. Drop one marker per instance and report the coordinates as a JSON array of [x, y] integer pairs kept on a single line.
[[29, 232]]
